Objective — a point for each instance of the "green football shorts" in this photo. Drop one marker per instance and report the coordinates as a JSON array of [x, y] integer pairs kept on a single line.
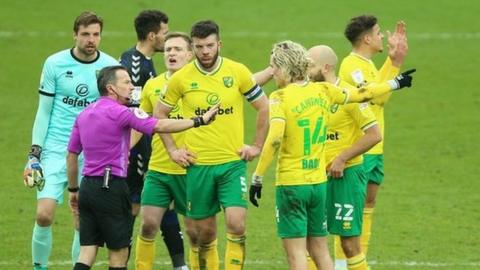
[[373, 166], [345, 202], [160, 189], [210, 187], [300, 211]]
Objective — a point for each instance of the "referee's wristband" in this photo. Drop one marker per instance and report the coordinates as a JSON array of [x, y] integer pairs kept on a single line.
[[74, 189]]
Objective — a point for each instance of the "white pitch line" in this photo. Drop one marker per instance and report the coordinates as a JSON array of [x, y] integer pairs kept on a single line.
[[247, 34], [408, 264]]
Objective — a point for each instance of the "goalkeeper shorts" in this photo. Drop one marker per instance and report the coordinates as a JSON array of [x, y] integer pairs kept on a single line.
[[54, 166]]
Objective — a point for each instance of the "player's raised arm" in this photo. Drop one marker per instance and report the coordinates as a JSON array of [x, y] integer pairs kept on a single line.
[[373, 90], [262, 77]]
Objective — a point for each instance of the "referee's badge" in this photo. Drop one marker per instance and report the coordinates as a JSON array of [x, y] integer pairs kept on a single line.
[[228, 81], [139, 113]]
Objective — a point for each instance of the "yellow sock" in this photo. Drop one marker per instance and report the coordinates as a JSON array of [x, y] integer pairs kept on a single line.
[[144, 253], [358, 262], [310, 263], [366, 229], [208, 256], [235, 252], [193, 258]]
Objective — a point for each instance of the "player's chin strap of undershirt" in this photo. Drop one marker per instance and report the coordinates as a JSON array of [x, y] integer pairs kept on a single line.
[[40, 126]]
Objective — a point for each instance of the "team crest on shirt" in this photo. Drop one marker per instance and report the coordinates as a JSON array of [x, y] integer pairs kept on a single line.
[[228, 81], [334, 108]]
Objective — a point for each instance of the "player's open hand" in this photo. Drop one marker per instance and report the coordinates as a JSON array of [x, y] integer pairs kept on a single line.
[[397, 44], [255, 191], [209, 116], [183, 157], [249, 152]]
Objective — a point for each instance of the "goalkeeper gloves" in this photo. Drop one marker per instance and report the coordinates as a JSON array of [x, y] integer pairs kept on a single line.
[[402, 80], [256, 189], [33, 173]]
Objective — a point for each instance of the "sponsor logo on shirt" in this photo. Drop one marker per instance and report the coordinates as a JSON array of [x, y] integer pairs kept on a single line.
[[82, 90], [79, 101], [69, 74], [213, 98], [199, 111], [333, 136], [76, 102]]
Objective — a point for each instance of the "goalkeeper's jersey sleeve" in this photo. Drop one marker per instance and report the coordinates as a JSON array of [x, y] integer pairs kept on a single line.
[[160, 160], [359, 71], [73, 85], [228, 84], [345, 126], [304, 109]]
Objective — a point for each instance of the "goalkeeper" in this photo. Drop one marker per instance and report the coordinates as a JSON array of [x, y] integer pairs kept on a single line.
[[68, 84]]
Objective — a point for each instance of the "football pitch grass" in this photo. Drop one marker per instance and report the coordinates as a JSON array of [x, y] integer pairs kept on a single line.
[[427, 212]]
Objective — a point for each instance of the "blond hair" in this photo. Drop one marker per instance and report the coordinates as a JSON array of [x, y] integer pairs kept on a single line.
[[291, 58]]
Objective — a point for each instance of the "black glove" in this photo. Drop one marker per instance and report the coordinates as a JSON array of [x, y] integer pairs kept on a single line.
[[256, 189], [404, 79]]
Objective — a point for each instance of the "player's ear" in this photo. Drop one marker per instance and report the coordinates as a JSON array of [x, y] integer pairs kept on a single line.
[[151, 35], [219, 44], [367, 38]]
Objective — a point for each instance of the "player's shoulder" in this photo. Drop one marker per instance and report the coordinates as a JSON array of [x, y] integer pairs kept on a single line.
[[127, 54], [59, 57], [106, 58], [185, 71], [158, 81], [234, 65], [279, 94]]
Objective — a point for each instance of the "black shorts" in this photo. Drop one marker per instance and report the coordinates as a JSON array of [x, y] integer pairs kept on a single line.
[[105, 214], [137, 167]]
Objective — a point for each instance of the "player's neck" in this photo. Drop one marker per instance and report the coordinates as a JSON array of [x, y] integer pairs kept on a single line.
[[213, 67], [84, 57], [145, 49], [331, 78], [364, 51]]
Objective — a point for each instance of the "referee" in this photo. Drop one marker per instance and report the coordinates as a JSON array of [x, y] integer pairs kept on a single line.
[[102, 133]]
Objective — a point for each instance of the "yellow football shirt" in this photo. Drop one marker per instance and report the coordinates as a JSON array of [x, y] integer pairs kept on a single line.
[[220, 141], [305, 110], [160, 160], [359, 71], [345, 127]]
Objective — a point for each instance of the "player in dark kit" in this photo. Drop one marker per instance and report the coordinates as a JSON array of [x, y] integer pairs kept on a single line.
[[151, 27]]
